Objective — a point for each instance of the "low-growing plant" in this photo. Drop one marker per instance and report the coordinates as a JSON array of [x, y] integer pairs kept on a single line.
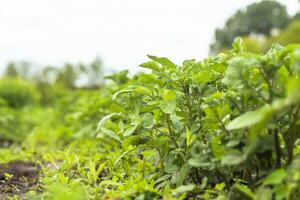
[[227, 127], [228, 122]]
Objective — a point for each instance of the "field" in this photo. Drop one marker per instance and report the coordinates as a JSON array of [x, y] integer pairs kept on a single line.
[[226, 127]]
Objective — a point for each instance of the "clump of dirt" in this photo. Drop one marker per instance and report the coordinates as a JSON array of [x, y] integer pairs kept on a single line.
[[18, 177]]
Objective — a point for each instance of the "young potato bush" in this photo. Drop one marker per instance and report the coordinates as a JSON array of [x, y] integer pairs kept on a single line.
[[225, 127]]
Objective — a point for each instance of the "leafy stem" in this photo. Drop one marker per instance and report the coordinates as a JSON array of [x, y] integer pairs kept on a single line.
[[289, 135], [188, 100], [172, 136], [221, 122], [266, 78], [277, 148], [235, 104]]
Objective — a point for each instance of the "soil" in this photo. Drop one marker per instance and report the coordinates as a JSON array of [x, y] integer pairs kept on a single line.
[[18, 177]]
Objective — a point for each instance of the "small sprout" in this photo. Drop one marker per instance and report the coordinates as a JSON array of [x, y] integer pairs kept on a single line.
[[8, 176]]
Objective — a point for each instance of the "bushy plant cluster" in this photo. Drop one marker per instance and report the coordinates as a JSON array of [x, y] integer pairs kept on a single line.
[[227, 127], [17, 93]]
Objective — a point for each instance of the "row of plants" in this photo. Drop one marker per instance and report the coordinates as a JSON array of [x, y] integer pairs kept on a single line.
[[226, 127]]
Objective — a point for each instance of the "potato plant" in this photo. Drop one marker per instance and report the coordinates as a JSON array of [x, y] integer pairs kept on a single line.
[[224, 127]]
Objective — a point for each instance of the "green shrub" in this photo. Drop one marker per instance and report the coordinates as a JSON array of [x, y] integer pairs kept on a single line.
[[227, 127], [17, 92], [215, 128]]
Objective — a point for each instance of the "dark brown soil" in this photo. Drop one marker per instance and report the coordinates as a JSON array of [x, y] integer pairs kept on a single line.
[[18, 177]]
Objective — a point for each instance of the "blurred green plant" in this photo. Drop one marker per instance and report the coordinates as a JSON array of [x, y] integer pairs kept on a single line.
[[259, 18], [17, 92]]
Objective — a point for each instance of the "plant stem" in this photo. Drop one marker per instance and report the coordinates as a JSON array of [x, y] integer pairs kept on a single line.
[[277, 148], [171, 132], [268, 83], [221, 122], [236, 105], [162, 168], [289, 139], [189, 106]]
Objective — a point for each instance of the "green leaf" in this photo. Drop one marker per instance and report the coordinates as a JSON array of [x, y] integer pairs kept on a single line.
[[276, 177], [123, 154], [130, 129], [237, 66], [148, 120], [234, 158], [168, 95], [101, 127], [197, 161], [103, 120], [168, 107], [168, 103], [282, 191], [119, 78], [239, 45], [203, 77], [171, 168], [245, 191], [293, 88], [143, 90], [182, 174], [183, 189], [163, 178], [251, 118], [163, 61], [263, 193], [120, 92], [187, 136], [110, 133], [178, 125], [151, 65], [220, 186]]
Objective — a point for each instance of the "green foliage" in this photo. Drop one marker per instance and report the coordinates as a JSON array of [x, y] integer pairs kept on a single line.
[[92, 72], [225, 120], [257, 18], [20, 69], [17, 92], [15, 125], [289, 35], [226, 127]]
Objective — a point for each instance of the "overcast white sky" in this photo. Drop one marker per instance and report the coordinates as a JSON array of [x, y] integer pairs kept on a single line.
[[121, 32]]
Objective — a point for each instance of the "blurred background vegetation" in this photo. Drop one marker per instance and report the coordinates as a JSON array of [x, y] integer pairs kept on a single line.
[[260, 25], [26, 88], [32, 97]]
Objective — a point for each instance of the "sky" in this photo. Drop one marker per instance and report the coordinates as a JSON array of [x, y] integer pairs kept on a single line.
[[120, 32]]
